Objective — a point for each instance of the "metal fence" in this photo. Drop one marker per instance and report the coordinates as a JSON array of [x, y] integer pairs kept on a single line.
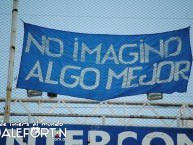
[[126, 113], [104, 17]]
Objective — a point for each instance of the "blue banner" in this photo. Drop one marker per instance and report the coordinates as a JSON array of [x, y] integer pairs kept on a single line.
[[30, 134], [101, 67]]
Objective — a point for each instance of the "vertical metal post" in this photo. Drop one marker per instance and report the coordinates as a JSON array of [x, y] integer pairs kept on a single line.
[[103, 120], [181, 121], [11, 62], [39, 109], [29, 118]]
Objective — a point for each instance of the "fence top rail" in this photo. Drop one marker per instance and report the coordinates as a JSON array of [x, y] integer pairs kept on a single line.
[[115, 102], [100, 116]]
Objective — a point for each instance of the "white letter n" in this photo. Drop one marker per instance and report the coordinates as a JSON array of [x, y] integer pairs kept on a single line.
[[31, 39], [182, 139]]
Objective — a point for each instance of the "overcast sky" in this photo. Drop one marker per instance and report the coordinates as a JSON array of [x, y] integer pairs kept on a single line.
[[93, 16]]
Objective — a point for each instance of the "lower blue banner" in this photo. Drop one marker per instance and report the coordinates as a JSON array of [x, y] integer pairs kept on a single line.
[[60, 134]]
